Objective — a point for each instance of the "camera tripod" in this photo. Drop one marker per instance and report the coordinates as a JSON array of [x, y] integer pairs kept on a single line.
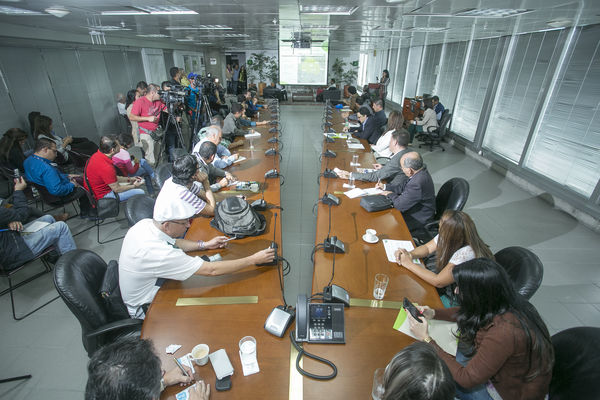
[[171, 120]]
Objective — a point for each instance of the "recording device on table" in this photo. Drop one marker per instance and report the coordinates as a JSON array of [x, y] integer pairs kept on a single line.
[[329, 173], [412, 309], [273, 246], [330, 154], [260, 204]]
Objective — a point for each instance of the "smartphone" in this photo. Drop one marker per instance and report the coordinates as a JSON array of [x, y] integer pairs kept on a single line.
[[414, 311]]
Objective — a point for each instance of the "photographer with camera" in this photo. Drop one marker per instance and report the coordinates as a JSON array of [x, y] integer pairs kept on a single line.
[[146, 112], [171, 137]]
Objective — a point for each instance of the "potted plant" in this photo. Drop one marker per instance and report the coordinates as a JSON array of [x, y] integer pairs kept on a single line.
[[273, 70], [337, 70], [258, 65], [349, 77]]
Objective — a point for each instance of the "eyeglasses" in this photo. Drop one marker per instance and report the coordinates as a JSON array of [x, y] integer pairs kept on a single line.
[[186, 223]]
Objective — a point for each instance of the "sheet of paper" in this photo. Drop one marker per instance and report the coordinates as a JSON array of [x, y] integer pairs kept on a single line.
[[252, 135], [34, 226], [240, 159], [249, 364], [356, 146], [391, 246], [354, 193], [365, 170], [172, 348], [440, 331], [373, 190]]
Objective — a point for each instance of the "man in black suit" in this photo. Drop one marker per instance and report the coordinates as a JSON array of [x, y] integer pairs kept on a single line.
[[368, 129], [415, 198], [379, 115]]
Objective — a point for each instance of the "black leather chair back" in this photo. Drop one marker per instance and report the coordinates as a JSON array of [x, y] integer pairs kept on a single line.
[[576, 372], [139, 207], [444, 121], [452, 195], [524, 268], [162, 173], [332, 94], [78, 277]]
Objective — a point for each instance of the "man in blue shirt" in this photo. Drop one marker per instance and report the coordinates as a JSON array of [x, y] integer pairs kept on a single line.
[[252, 109], [40, 169], [437, 107]]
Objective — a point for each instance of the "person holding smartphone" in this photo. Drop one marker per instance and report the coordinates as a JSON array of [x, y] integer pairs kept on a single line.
[[504, 347]]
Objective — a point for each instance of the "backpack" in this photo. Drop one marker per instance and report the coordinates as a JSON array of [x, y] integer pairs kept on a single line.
[[235, 217]]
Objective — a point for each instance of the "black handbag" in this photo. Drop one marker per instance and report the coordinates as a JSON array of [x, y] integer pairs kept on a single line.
[[375, 202], [111, 293]]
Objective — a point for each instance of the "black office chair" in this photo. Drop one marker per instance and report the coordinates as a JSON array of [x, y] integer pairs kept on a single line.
[[139, 207], [162, 173], [576, 360], [434, 136], [8, 274], [452, 195], [78, 277], [524, 268], [53, 201]]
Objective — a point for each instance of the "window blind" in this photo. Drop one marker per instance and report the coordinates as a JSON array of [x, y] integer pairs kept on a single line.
[[520, 92], [468, 107], [566, 146]]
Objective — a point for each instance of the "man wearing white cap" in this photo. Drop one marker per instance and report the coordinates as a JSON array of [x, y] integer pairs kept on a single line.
[[154, 251]]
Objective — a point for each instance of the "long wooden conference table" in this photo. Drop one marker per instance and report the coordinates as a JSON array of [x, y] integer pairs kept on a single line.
[[219, 311]]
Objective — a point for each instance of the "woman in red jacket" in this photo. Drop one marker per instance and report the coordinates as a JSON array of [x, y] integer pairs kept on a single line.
[[504, 348]]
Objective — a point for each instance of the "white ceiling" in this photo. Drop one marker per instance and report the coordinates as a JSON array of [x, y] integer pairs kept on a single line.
[[375, 23]]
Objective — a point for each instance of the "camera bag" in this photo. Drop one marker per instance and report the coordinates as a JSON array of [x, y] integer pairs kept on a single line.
[[235, 217]]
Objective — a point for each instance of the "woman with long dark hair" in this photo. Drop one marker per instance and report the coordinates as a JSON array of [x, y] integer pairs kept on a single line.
[[43, 128], [132, 96], [457, 242], [384, 82], [11, 148], [509, 353]]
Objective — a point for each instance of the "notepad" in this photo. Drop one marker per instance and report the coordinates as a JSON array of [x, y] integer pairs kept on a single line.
[[355, 146], [358, 192], [440, 331], [392, 246], [240, 159], [34, 226]]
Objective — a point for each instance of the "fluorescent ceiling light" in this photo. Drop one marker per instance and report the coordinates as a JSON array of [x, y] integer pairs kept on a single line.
[[185, 40], [57, 11], [560, 23], [203, 43], [329, 10], [124, 12], [166, 10], [18, 11], [425, 29], [492, 12], [154, 35], [236, 35], [198, 27], [326, 27], [107, 28]]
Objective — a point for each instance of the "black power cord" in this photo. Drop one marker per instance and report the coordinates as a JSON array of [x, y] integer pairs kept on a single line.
[[302, 353]]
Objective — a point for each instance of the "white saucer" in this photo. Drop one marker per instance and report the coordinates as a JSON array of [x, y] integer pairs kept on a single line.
[[364, 237]]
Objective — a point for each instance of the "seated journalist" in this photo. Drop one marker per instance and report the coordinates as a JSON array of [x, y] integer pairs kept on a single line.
[[102, 175], [216, 176], [15, 248], [223, 158], [368, 128], [188, 184], [154, 250], [41, 170], [129, 369]]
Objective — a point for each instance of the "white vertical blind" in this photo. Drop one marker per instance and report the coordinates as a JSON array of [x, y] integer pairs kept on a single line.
[[450, 71], [520, 92], [468, 108], [391, 68], [429, 69], [566, 146], [397, 81]]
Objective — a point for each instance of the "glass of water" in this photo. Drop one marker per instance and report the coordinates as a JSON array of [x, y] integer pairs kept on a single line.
[[355, 159], [381, 283], [351, 181]]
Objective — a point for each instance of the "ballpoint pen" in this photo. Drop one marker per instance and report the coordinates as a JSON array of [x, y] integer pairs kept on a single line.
[[181, 368]]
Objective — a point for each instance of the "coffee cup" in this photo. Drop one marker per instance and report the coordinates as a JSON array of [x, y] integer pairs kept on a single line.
[[371, 234], [200, 354]]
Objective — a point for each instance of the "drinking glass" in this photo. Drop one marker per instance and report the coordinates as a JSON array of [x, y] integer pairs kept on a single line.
[[381, 283]]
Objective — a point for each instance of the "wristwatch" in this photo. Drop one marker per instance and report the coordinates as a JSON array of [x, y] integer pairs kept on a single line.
[[428, 339]]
